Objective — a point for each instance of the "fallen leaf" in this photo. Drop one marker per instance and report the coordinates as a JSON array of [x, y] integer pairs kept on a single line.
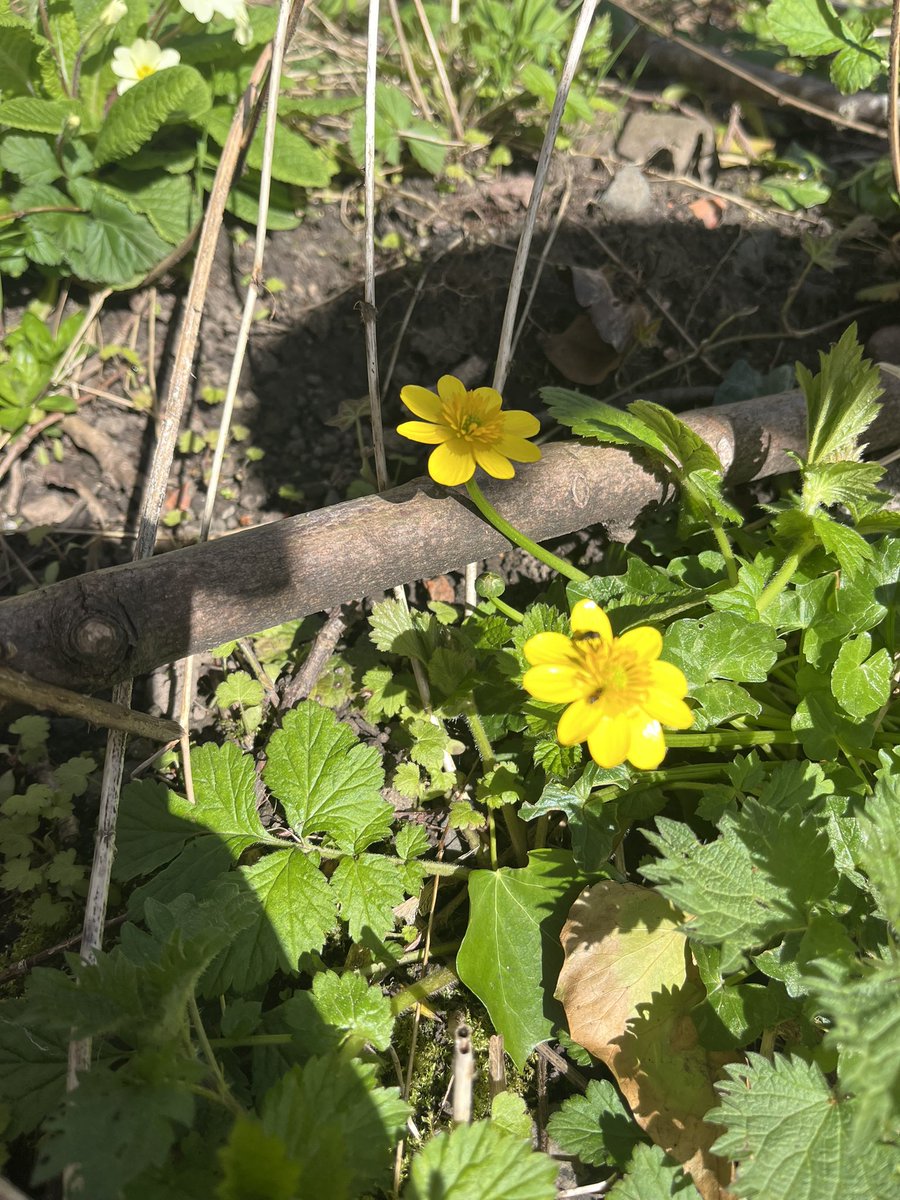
[[440, 588], [628, 986], [709, 211], [580, 354]]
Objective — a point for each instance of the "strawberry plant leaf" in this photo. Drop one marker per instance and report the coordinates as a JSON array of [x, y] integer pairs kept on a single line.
[[348, 1003], [479, 1160], [596, 1127], [652, 1175]]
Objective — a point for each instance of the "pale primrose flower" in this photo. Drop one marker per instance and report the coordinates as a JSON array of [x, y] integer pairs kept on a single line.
[[231, 10], [142, 58], [114, 12]]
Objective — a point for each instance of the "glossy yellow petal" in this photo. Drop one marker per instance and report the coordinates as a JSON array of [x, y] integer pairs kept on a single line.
[[578, 723], [487, 400], [668, 678], [554, 684], [420, 401], [588, 617], [609, 742], [519, 423], [647, 747], [645, 642], [451, 390], [518, 449], [451, 465], [422, 431], [495, 464], [669, 710], [550, 648]]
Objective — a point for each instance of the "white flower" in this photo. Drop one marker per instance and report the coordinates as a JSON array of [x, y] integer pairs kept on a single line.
[[231, 10], [114, 12], [142, 58]]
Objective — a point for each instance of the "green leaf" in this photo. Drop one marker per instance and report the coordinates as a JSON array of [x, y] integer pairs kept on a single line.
[[348, 1003], [17, 47], [860, 682], [593, 823], [856, 66], [685, 446], [792, 1136], [510, 955], [239, 688], [880, 831], [327, 782], [368, 888], [33, 1065], [792, 194], [509, 1113], [255, 1165], [476, 1161], [852, 484], [166, 200], [652, 1175], [841, 400], [851, 550], [37, 116], [588, 417], [823, 727], [720, 702], [336, 1124], [722, 646], [30, 157], [420, 138], [293, 915], [807, 27], [296, 161], [177, 95], [119, 247], [412, 841], [761, 877], [597, 1127]]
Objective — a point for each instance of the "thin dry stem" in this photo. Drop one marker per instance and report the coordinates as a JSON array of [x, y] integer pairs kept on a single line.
[[409, 65], [441, 70], [369, 311]]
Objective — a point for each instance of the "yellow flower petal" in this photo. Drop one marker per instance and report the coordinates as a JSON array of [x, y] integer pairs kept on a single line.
[[588, 617], [549, 648], [420, 401], [422, 431], [647, 747], [669, 710], [519, 423], [451, 464], [643, 642], [609, 742], [577, 723], [488, 400], [518, 449], [668, 678], [553, 684], [451, 390], [495, 464]]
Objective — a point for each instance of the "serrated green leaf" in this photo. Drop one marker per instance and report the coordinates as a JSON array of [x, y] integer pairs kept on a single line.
[[368, 888], [17, 51], [860, 681], [255, 1165], [722, 646], [510, 954], [397, 630], [841, 400], [177, 95], [33, 1065], [682, 443], [783, 1124], [806, 27], [593, 824], [412, 841], [390, 692], [294, 913], [735, 1013], [30, 157], [823, 727], [239, 688], [348, 1003], [118, 246], [37, 116], [652, 1175], [480, 1160], [510, 1114], [165, 200], [856, 66], [850, 548], [880, 832], [789, 961], [327, 782], [588, 417], [849, 483], [597, 1127]]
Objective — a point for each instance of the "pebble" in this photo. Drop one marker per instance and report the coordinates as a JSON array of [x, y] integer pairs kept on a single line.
[[628, 195]]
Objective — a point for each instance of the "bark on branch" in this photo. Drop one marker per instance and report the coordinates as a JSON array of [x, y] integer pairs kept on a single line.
[[89, 632]]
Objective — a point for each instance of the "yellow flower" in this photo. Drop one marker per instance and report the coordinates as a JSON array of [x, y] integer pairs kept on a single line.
[[618, 692], [468, 429], [139, 60]]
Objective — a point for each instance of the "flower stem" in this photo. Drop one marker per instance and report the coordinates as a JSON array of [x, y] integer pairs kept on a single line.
[[514, 824], [718, 532], [507, 610], [783, 576], [490, 514], [732, 738]]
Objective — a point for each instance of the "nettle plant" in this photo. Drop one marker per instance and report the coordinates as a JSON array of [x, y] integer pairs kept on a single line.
[[673, 796], [111, 119]]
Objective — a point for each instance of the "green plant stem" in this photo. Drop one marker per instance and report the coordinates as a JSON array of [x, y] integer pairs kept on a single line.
[[728, 738], [491, 515], [783, 576], [422, 989], [718, 532], [430, 868], [541, 829], [507, 610], [514, 825], [517, 833], [492, 838], [224, 1091]]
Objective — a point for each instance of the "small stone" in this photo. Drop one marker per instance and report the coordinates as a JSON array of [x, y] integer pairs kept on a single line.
[[628, 195]]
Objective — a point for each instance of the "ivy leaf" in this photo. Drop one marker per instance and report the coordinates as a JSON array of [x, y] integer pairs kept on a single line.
[[860, 682], [479, 1160], [783, 1123], [510, 955], [652, 1175], [348, 1003], [177, 95], [722, 646], [368, 888], [327, 782], [841, 400], [596, 1127], [118, 247], [294, 914]]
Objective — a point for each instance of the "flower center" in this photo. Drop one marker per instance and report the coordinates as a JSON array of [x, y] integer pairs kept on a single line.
[[613, 677], [469, 421], [143, 71]]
